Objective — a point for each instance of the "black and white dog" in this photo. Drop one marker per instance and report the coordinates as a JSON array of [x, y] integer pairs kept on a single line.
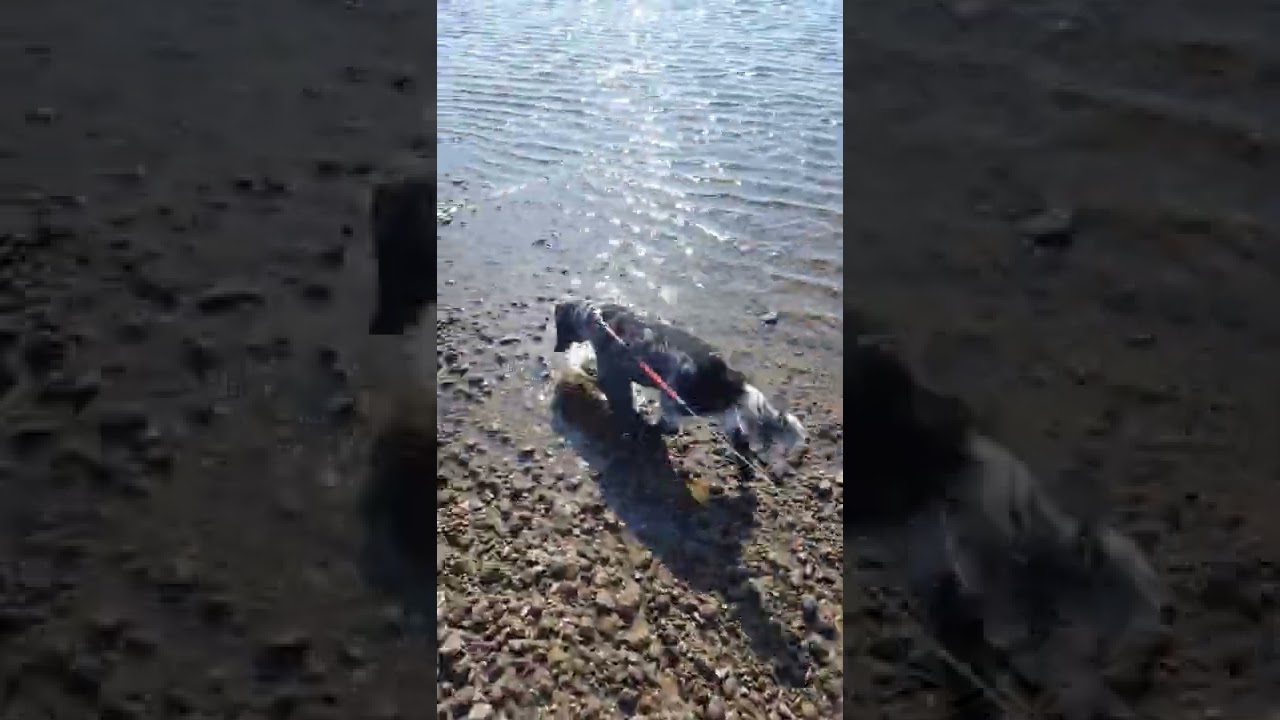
[[1000, 568], [689, 365]]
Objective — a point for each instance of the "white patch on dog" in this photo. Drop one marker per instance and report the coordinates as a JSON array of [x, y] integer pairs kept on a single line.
[[580, 359], [769, 432], [763, 425]]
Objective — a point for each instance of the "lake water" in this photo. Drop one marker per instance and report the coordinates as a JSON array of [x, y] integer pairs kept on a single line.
[[691, 150]]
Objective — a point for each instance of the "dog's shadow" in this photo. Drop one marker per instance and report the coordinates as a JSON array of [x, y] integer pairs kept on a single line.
[[700, 543], [398, 508]]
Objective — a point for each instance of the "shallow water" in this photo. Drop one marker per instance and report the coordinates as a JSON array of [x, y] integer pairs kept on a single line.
[[689, 154]]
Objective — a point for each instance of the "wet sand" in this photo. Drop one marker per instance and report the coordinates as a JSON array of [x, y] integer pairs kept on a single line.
[[184, 292], [1063, 211]]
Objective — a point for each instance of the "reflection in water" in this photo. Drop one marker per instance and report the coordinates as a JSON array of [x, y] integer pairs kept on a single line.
[[694, 147]]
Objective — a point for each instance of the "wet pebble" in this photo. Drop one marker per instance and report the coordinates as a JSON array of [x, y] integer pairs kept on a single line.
[[228, 297], [122, 424], [332, 256], [317, 293], [1052, 228], [76, 391], [42, 116], [45, 352], [199, 355], [809, 606], [29, 436]]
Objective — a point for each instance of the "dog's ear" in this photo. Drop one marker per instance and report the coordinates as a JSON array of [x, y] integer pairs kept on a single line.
[[716, 366], [720, 372], [566, 333], [881, 380]]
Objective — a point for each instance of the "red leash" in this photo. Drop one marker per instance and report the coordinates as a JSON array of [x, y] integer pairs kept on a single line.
[[662, 384]]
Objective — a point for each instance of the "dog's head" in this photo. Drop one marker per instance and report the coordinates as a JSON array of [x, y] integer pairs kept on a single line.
[[713, 385], [570, 319], [767, 429], [904, 441]]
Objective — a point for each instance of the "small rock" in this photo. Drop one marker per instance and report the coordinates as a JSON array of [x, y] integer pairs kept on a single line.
[[452, 645], [83, 463], [275, 186], [76, 392], [769, 318], [85, 676], [122, 424], [341, 407], [218, 609], [317, 293], [42, 116], [226, 298], [403, 82], [809, 605], [815, 646], [134, 330], [107, 623], [629, 601], [47, 232], [333, 256], [140, 643], [327, 167], [286, 650], [1053, 228], [16, 620], [199, 355], [44, 353], [1140, 340], [31, 436]]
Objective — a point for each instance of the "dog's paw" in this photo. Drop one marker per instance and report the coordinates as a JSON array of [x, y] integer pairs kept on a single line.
[[644, 432], [665, 426]]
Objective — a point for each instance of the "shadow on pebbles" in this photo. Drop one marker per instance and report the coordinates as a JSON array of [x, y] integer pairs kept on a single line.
[[578, 572]]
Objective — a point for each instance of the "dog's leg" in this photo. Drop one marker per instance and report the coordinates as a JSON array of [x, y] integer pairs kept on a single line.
[[952, 617], [616, 384], [669, 423], [951, 612]]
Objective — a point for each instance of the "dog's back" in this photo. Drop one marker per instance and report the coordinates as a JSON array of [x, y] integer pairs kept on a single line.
[[691, 365], [1013, 535], [667, 337], [966, 513]]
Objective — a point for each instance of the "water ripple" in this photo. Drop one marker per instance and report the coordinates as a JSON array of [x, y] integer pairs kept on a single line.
[[707, 131]]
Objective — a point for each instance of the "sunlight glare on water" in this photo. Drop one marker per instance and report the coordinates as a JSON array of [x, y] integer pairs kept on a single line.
[[706, 133]]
